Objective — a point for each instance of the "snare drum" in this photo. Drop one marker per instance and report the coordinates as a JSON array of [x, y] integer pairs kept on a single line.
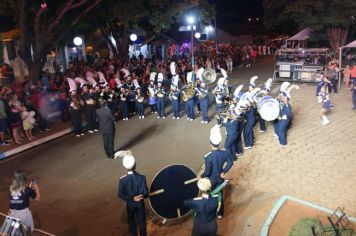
[[268, 107], [152, 100]]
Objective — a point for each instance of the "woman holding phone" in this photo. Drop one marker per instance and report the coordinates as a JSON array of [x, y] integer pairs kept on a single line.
[[21, 190]]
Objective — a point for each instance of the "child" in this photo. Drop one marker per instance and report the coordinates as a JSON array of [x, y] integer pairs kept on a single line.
[[28, 120], [326, 105]]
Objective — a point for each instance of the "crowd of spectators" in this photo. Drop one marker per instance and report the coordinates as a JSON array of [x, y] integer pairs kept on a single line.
[[25, 105]]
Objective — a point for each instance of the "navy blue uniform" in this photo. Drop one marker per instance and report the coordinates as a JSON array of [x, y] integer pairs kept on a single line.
[[204, 102], [214, 166], [231, 136], [248, 130], [282, 124], [240, 127], [175, 103], [161, 102], [189, 107], [90, 110], [123, 105], [131, 185], [204, 222]]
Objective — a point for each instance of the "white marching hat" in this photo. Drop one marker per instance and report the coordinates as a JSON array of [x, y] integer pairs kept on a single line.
[[160, 78], [215, 135], [72, 85], [204, 184], [153, 76], [221, 82], [172, 68], [268, 85], [223, 72], [189, 76], [252, 81], [128, 161]]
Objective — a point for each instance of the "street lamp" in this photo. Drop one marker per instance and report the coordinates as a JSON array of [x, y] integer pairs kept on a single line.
[[133, 37], [77, 41], [191, 27], [197, 35]]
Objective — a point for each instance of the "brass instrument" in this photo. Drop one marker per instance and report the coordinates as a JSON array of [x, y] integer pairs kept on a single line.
[[188, 91], [140, 98], [151, 92], [160, 93], [209, 76]]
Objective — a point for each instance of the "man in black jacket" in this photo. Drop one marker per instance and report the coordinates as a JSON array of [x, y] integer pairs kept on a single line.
[[133, 190], [107, 128]]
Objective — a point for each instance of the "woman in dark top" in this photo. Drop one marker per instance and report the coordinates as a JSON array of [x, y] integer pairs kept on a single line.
[[14, 117], [19, 199]]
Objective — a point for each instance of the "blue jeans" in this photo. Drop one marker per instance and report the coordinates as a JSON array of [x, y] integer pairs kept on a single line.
[[161, 107], [204, 106], [175, 107], [124, 110]]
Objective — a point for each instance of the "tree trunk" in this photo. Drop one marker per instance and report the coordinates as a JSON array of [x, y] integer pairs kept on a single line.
[[337, 38], [123, 47]]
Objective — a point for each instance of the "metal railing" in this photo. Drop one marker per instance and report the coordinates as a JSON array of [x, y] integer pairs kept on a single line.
[[35, 231]]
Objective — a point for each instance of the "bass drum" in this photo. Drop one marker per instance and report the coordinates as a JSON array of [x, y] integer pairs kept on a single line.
[[268, 107], [173, 188]]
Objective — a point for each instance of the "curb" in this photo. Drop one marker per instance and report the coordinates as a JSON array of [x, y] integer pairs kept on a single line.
[[276, 207], [35, 143]]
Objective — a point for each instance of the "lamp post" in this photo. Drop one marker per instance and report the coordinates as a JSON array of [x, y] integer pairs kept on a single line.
[[133, 38], [191, 25]]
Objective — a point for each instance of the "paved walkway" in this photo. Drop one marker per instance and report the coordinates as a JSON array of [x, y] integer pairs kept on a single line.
[[79, 185]]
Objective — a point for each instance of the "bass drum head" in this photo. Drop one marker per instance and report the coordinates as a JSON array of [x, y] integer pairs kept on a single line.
[[169, 204], [268, 108]]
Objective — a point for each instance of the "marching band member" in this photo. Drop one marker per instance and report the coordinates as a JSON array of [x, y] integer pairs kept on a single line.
[[89, 108], [205, 209], [219, 94], [75, 104], [203, 96], [123, 103], [285, 114], [226, 87], [161, 97], [189, 104], [133, 190], [250, 116], [231, 135], [264, 92], [152, 92], [326, 105], [240, 122], [215, 161], [131, 86], [174, 97], [140, 103]]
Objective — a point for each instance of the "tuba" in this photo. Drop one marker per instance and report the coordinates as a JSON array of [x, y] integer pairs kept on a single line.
[[188, 91], [208, 76]]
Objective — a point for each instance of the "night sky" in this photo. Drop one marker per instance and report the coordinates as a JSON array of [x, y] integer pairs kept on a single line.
[[232, 16]]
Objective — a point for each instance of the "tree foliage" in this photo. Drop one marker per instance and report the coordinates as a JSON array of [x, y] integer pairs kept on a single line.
[[330, 18]]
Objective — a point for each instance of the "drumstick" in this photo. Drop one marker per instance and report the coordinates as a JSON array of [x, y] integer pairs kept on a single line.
[[159, 191], [191, 180]]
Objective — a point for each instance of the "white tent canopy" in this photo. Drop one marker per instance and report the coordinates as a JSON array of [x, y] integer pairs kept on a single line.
[[302, 35], [350, 45]]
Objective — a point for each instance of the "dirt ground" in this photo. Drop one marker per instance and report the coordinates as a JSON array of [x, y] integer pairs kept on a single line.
[[291, 212]]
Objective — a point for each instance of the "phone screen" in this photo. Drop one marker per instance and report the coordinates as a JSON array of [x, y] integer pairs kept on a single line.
[[33, 181]]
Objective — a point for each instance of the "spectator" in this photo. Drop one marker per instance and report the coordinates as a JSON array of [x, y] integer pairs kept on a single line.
[[3, 121], [19, 199], [14, 118], [347, 77]]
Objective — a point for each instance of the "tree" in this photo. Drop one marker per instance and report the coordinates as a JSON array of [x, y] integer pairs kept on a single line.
[[154, 16], [1, 50], [332, 18], [42, 25]]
